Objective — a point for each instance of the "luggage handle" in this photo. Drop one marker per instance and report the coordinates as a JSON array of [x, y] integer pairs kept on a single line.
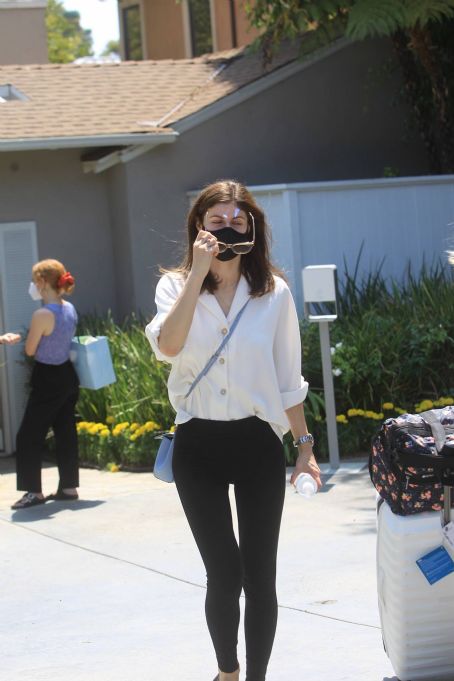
[[436, 427], [439, 435], [446, 512]]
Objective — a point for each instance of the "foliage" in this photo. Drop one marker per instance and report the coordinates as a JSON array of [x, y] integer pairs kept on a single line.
[[421, 33], [122, 445], [66, 39], [140, 392], [392, 346], [393, 343], [112, 47]]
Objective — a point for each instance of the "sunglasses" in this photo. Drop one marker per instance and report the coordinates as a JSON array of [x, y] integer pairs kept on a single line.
[[242, 247]]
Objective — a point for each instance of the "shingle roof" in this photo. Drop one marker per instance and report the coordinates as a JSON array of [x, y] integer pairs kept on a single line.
[[87, 100]]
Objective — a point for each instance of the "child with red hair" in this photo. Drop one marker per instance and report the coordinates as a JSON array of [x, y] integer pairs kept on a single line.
[[54, 388]]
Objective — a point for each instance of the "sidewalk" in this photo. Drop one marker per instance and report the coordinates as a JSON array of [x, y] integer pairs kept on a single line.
[[111, 588]]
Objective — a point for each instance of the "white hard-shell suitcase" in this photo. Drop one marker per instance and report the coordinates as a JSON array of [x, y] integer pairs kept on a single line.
[[417, 618]]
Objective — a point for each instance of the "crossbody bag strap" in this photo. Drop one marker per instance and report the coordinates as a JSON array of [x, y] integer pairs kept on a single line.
[[216, 354]]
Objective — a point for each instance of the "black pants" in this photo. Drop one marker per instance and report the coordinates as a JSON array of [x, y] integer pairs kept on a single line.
[[52, 402], [208, 455]]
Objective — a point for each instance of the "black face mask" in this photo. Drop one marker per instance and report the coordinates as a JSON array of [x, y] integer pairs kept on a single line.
[[229, 236]]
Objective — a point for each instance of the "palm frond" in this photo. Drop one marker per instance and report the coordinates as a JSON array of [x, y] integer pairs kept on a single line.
[[368, 18], [423, 11]]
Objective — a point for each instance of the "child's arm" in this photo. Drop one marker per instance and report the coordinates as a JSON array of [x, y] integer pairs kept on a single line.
[[41, 325]]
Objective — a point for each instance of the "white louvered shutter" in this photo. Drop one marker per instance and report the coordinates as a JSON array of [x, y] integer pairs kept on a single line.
[[18, 253]]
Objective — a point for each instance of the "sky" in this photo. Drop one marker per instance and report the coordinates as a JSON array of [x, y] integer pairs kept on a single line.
[[101, 16]]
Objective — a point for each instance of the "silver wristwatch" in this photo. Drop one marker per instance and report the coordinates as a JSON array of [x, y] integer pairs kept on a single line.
[[303, 439]]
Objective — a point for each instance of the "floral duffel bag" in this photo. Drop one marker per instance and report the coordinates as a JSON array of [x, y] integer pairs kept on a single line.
[[412, 459]]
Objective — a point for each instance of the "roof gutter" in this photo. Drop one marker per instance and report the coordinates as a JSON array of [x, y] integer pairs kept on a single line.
[[120, 156], [149, 139]]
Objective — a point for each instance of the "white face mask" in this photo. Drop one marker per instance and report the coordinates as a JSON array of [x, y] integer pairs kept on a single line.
[[33, 291]]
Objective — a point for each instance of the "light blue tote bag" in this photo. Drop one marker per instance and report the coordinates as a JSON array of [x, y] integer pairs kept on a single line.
[[92, 361]]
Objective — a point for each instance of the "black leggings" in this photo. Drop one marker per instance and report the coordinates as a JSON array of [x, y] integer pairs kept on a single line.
[[208, 455], [52, 403]]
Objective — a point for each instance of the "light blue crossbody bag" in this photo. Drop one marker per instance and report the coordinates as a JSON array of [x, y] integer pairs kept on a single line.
[[163, 465]]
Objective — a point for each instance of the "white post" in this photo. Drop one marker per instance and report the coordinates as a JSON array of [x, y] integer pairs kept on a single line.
[[328, 388]]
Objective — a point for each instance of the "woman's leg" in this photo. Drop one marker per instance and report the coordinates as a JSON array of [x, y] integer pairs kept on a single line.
[[259, 496], [203, 490], [30, 442], [64, 427], [31, 437]]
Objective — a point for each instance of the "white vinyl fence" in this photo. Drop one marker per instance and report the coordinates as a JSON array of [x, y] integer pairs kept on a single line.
[[395, 220]]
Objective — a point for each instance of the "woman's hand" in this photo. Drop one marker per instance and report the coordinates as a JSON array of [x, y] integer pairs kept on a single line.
[[204, 249], [306, 463], [10, 338]]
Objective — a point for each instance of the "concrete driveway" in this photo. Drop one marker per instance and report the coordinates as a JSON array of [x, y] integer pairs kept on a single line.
[[111, 587]]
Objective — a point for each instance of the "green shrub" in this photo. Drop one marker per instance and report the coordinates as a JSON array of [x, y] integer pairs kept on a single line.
[[392, 344]]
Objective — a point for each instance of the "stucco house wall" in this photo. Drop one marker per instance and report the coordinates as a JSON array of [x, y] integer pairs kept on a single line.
[[73, 217]]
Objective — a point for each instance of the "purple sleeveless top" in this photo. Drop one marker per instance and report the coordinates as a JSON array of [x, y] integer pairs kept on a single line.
[[54, 349]]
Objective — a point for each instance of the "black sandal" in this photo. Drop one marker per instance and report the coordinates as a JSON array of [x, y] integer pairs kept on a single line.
[[27, 501], [62, 496]]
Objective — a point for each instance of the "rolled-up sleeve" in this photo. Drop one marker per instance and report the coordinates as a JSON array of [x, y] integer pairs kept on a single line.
[[166, 295], [287, 354]]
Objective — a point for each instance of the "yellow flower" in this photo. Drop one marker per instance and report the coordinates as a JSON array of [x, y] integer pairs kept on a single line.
[[360, 412], [150, 426], [110, 420], [426, 404], [172, 429], [399, 410], [119, 428], [113, 468], [445, 401], [352, 412], [133, 427], [369, 414], [388, 405], [341, 418], [104, 433]]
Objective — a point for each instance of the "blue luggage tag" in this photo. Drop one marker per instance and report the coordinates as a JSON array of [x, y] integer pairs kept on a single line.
[[436, 565]]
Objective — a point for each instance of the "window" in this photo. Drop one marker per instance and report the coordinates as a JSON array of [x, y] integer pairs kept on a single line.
[[132, 32], [200, 18]]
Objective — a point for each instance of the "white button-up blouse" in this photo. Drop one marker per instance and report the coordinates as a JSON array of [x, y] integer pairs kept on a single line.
[[258, 372]]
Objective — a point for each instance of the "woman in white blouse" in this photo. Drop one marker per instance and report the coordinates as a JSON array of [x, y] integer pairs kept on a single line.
[[230, 428]]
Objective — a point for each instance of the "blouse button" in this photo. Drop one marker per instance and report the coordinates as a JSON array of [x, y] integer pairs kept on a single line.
[[222, 361], [224, 331], [223, 391]]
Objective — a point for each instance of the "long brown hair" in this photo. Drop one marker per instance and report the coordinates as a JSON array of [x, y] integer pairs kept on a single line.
[[256, 265]]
